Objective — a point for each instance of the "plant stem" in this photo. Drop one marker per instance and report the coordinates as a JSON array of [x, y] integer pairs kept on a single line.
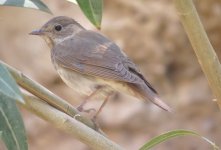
[[46, 95], [68, 124], [204, 51]]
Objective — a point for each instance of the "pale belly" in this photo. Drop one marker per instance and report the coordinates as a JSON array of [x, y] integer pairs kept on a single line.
[[82, 84], [86, 85]]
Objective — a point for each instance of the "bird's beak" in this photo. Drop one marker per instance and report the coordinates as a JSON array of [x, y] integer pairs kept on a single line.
[[37, 32]]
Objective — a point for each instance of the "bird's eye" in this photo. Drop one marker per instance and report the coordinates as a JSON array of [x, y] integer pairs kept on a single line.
[[58, 27]]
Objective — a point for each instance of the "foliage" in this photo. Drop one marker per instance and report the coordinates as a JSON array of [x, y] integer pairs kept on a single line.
[[33, 4], [8, 86], [91, 8], [175, 133], [11, 124]]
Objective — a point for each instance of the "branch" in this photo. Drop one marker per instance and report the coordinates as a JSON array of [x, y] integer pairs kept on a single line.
[[46, 95], [204, 51], [68, 124]]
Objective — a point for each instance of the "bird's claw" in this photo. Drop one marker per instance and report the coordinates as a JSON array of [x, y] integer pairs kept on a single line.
[[89, 110], [81, 109], [77, 115]]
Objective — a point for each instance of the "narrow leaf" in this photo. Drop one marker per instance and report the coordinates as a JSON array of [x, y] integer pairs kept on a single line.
[[34, 4], [11, 125], [92, 10], [176, 133], [73, 1], [8, 85]]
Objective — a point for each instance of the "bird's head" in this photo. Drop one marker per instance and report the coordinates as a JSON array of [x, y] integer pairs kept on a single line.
[[58, 29]]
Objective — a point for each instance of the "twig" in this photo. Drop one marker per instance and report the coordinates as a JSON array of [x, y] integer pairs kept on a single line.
[[68, 124], [204, 51], [46, 95]]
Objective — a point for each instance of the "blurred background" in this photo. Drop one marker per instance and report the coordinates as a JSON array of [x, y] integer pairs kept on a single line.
[[150, 32]]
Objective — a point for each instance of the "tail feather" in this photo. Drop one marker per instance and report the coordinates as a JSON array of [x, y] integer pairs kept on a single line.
[[157, 101], [147, 94], [146, 90]]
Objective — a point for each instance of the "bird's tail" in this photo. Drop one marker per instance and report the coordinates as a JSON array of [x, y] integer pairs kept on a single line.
[[148, 94], [154, 98]]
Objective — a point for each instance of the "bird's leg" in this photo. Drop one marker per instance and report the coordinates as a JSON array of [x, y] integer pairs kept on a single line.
[[101, 107], [81, 106]]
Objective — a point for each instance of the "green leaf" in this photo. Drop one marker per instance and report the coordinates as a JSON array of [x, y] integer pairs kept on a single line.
[[0, 134], [73, 1], [176, 133], [8, 85], [11, 125], [34, 4], [92, 10]]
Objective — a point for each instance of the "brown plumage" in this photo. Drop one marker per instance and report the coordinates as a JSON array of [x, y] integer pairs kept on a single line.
[[86, 60]]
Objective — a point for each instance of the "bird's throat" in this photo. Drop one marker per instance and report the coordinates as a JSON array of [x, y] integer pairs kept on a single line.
[[49, 41]]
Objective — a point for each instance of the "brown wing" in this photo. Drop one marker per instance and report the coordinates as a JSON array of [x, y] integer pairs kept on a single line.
[[93, 54]]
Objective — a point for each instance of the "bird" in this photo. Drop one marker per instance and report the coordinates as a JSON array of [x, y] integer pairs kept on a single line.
[[90, 63]]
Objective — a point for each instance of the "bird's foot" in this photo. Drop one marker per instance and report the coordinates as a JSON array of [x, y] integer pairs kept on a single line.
[[94, 120], [81, 109]]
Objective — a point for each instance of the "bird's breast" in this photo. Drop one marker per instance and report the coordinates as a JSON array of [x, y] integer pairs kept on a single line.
[[81, 83]]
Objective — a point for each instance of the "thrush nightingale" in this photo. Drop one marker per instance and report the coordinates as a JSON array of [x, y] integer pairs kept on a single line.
[[89, 62]]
